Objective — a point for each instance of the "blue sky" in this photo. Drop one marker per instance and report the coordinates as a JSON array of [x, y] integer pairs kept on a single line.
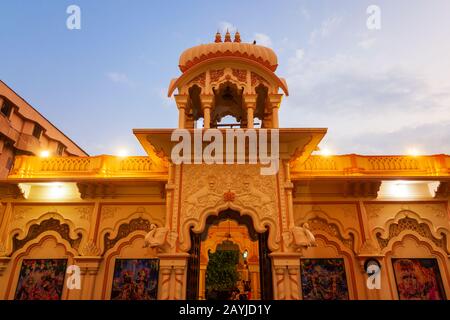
[[378, 91]]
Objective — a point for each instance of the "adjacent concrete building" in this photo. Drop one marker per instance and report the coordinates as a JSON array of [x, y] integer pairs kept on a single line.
[[24, 131]]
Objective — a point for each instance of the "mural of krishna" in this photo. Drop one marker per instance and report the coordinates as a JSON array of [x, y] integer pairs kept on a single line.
[[41, 279], [418, 279], [135, 279], [323, 279]]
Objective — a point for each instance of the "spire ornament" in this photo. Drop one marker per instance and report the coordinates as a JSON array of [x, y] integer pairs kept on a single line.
[[218, 37], [227, 36], [237, 37]]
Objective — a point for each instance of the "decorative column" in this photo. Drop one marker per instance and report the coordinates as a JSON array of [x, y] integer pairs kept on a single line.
[[286, 270], [275, 101], [5, 243], [4, 263], [207, 103], [202, 283], [89, 267], [181, 101], [172, 279], [254, 277], [250, 103]]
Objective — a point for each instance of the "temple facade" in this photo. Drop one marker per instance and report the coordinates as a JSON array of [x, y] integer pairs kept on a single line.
[[210, 221]]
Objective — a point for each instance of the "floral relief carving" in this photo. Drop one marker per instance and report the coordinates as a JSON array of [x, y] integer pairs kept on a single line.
[[215, 75], [47, 225], [109, 212], [256, 78], [85, 212], [332, 229], [374, 211], [240, 74], [124, 230], [19, 213], [200, 79], [438, 210], [240, 187], [413, 225]]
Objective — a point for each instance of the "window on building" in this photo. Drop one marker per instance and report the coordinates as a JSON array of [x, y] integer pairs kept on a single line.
[[60, 149], [6, 109], [37, 131]]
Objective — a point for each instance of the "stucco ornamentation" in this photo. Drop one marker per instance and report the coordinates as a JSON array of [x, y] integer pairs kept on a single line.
[[207, 191]]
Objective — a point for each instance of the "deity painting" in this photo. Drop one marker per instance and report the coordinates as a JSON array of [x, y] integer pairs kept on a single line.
[[418, 279], [323, 279], [41, 279], [135, 279]]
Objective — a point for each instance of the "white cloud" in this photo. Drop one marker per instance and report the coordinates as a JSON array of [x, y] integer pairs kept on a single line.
[[305, 13], [118, 77], [299, 55], [367, 42], [327, 27], [263, 40], [367, 107], [225, 25]]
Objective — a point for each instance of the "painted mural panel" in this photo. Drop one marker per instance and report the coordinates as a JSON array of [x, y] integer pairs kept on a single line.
[[418, 279], [41, 279], [135, 279], [324, 279]]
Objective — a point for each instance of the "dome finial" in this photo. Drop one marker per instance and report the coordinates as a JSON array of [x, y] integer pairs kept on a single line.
[[227, 36], [218, 37], [237, 37]]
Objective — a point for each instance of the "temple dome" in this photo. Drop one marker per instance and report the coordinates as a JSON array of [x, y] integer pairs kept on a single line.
[[263, 55]]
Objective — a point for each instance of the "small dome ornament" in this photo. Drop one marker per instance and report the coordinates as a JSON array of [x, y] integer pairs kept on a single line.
[[218, 37], [237, 37], [227, 36]]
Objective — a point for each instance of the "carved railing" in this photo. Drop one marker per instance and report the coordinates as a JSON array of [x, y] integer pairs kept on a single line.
[[99, 166], [352, 164]]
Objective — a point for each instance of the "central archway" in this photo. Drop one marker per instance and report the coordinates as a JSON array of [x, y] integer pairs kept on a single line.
[[197, 239]]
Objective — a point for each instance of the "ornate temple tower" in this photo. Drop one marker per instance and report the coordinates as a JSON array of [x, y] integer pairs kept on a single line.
[[228, 78], [222, 79]]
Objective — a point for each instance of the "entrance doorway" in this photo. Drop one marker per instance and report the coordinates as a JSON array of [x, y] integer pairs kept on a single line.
[[229, 260]]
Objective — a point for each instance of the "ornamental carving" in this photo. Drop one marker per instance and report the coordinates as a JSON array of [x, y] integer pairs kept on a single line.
[[332, 229], [240, 74], [256, 78], [413, 225], [200, 79], [215, 75], [47, 225], [124, 230], [212, 188]]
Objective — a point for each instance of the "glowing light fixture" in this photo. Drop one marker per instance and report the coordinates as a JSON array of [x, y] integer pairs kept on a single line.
[[122, 153], [44, 154], [413, 152], [325, 152]]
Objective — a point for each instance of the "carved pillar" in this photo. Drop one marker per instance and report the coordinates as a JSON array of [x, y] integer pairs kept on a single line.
[[254, 277], [275, 101], [181, 101], [250, 103], [4, 262], [202, 283], [289, 187], [89, 267], [286, 269], [172, 278], [4, 236], [207, 103]]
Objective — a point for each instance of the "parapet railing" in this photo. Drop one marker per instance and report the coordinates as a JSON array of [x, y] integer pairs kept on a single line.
[[98, 166], [352, 164]]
